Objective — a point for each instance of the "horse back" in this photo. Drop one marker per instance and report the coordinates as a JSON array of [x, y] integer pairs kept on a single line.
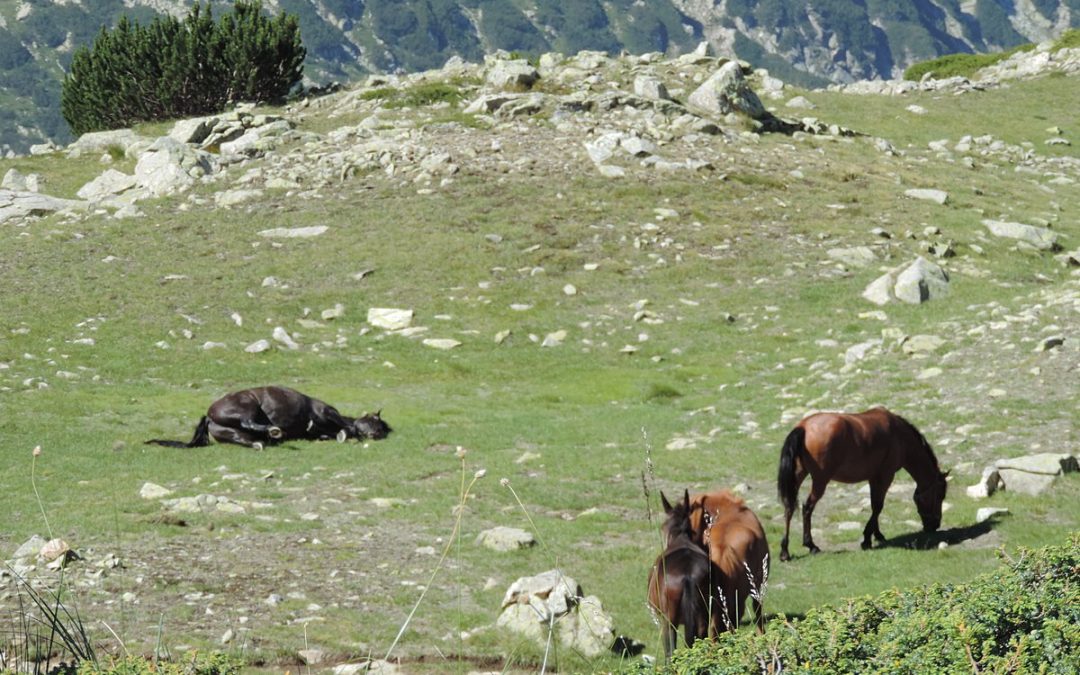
[[672, 567], [853, 447]]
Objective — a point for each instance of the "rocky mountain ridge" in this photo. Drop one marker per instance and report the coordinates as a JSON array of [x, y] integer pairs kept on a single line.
[[838, 41]]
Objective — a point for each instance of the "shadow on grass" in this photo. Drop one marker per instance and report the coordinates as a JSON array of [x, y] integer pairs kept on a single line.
[[921, 541]]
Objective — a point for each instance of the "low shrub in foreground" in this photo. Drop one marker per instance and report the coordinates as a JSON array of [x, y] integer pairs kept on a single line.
[[211, 663], [1023, 618]]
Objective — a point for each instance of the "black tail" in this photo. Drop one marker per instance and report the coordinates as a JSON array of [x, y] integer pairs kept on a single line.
[[688, 605], [794, 445], [201, 439]]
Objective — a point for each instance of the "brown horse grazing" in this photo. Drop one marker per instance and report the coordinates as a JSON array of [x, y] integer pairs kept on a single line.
[[872, 446], [680, 580], [737, 547], [268, 415]]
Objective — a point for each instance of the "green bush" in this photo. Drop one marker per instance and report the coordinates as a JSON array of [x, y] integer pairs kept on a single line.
[[963, 65], [172, 68], [1070, 39], [1023, 618], [194, 663]]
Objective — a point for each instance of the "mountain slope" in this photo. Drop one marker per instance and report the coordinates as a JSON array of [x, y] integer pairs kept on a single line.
[[813, 44]]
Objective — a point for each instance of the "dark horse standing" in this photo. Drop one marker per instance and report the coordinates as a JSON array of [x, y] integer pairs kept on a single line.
[[681, 580], [872, 446], [268, 415]]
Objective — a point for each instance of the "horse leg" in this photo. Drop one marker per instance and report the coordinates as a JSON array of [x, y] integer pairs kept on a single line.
[[226, 434], [759, 615], [668, 636], [816, 491], [789, 510], [879, 487], [260, 429]]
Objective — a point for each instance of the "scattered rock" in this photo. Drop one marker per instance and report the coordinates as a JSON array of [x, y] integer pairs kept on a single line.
[[532, 604], [727, 91], [1039, 237], [988, 484], [856, 256], [312, 657], [30, 548], [389, 318], [294, 232], [987, 512], [153, 491], [505, 539], [921, 344], [282, 336], [444, 344], [15, 205], [936, 196], [554, 339], [258, 347], [919, 282]]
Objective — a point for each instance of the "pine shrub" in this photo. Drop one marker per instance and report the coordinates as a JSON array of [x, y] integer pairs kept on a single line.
[[181, 68], [1022, 618]]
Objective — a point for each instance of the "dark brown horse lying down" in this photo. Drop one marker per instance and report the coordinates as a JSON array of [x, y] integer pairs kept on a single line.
[[269, 415]]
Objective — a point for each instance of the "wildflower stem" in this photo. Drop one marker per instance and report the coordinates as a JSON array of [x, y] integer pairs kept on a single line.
[[33, 484], [446, 550]]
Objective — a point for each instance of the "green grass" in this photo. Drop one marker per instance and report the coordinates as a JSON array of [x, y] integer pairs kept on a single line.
[[959, 65], [570, 427]]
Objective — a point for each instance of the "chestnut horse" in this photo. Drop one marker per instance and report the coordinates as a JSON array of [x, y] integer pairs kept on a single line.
[[680, 580], [852, 447], [736, 543], [270, 415]]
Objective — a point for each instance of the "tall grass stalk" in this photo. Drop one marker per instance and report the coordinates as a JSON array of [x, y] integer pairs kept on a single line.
[[459, 514], [33, 483]]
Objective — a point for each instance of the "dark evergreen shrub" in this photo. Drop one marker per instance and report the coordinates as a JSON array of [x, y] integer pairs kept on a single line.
[[172, 68]]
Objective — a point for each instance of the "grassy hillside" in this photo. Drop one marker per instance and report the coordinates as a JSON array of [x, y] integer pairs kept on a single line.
[[714, 317]]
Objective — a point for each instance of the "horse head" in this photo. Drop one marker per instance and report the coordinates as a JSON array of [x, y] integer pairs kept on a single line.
[[928, 499], [370, 426], [678, 518]]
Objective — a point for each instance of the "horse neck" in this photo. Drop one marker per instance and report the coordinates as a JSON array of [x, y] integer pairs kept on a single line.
[[919, 459]]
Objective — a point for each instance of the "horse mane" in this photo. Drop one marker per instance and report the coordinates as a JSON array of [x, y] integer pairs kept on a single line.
[[922, 440]]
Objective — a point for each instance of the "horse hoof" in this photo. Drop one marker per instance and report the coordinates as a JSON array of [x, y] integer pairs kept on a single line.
[[274, 432], [814, 550], [257, 446], [784, 556], [866, 545], [342, 436]]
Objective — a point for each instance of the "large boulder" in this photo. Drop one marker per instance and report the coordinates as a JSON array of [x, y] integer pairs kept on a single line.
[[552, 601], [257, 140], [15, 204], [727, 91], [505, 538], [1030, 474], [168, 167], [108, 184], [194, 130], [512, 74], [916, 283], [1039, 237]]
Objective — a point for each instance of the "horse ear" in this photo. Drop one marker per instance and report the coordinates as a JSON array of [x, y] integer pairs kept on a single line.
[[946, 474], [378, 412], [686, 499], [665, 502]]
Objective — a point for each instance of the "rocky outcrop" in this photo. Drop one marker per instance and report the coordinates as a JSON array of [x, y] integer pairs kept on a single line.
[[18, 204], [551, 601], [916, 283]]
